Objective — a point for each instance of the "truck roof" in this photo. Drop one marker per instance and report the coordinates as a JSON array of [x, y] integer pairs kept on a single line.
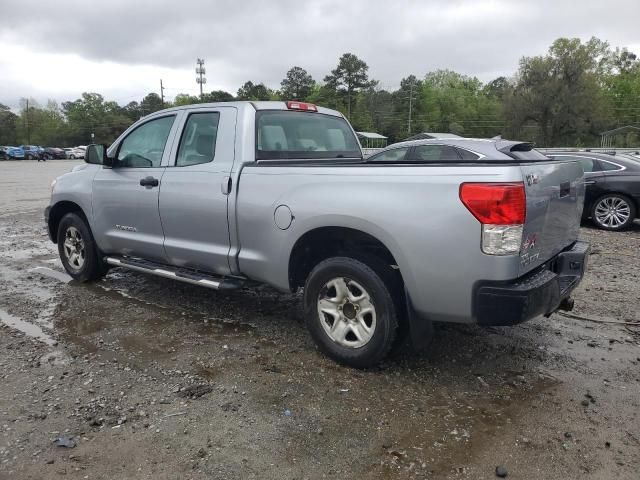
[[244, 104]]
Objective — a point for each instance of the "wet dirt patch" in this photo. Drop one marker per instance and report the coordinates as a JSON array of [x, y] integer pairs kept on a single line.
[[550, 398], [30, 329]]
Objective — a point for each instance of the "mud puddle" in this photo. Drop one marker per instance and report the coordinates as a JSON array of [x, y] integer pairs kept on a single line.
[[30, 329]]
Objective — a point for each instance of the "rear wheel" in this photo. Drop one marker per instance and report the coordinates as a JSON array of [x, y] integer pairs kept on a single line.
[[613, 212], [78, 251], [350, 311]]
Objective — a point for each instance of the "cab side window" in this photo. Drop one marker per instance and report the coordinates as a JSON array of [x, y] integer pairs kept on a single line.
[[143, 148], [198, 142]]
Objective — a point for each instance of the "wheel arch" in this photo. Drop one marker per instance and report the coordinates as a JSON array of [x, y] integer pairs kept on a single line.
[[58, 211], [330, 241]]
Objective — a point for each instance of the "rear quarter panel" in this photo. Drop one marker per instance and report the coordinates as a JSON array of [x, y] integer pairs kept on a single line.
[[414, 210]]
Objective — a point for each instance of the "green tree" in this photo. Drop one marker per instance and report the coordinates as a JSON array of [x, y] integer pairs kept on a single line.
[[558, 98], [8, 122], [622, 90], [132, 110], [39, 125], [182, 99], [151, 103], [348, 78], [91, 114], [218, 96], [457, 104], [297, 84], [251, 91]]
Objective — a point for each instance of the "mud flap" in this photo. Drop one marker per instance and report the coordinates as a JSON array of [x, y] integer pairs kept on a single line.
[[420, 329]]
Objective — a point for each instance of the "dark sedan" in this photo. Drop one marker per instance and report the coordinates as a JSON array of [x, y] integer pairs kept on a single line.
[[54, 153], [612, 199]]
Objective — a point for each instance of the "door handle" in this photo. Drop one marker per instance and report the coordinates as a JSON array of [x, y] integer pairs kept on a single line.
[[590, 182], [149, 182], [225, 187]]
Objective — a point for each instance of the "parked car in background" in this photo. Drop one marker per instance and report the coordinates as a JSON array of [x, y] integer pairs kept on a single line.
[[73, 153], [53, 153], [11, 153], [612, 197], [32, 152], [471, 231]]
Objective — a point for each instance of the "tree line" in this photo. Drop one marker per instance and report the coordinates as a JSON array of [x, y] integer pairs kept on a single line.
[[565, 97]]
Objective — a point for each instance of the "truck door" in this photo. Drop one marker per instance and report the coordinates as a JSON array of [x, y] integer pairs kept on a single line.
[[125, 197], [195, 190]]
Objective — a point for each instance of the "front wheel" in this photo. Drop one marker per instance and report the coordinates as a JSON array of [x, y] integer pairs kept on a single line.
[[350, 311], [78, 251], [613, 212]]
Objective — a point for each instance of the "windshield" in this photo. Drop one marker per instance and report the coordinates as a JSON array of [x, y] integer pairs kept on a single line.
[[285, 134]]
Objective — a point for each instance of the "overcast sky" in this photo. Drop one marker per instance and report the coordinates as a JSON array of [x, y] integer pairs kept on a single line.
[[121, 48]]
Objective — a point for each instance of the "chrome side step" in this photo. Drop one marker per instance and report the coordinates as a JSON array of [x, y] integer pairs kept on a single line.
[[185, 275]]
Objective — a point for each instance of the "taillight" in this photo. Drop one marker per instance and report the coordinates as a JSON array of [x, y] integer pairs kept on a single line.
[[306, 107], [501, 209]]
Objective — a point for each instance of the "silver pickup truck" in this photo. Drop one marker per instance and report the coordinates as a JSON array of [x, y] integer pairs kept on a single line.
[[226, 195]]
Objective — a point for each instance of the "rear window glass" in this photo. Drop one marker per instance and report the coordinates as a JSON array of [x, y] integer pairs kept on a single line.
[[435, 153], [285, 134], [394, 155], [608, 167], [467, 155]]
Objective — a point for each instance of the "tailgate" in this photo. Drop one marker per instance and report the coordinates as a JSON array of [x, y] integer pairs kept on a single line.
[[555, 198]]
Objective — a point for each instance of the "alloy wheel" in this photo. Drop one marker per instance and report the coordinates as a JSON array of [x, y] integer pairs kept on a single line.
[[612, 212], [74, 248], [346, 312]]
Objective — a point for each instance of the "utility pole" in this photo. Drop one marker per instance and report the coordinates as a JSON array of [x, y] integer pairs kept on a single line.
[[26, 119], [200, 70], [410, 104], [162, 93]]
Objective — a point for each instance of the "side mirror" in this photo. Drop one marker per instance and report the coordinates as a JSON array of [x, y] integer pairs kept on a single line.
[[96, 154]]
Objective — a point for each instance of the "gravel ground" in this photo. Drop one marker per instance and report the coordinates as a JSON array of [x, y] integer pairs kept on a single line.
[[141, 377]]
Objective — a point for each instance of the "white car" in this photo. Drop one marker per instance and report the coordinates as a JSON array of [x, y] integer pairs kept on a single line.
[[74, 153]]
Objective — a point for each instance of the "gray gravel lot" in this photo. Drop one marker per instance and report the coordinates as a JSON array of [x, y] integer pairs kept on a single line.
[[155, 379]]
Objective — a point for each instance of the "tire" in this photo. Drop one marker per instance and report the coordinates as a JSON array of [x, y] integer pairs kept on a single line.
[[72, 157], [357, 327], [78, 251], [613, 212], [29, 157]]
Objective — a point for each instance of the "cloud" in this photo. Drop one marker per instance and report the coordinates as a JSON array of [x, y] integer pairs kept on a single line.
[[122, 45]]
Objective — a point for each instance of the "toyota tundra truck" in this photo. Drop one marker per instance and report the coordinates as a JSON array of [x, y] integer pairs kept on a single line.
[[226, 195]]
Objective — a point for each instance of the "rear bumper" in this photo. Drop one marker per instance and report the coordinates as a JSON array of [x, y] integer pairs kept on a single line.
[[537, 293]]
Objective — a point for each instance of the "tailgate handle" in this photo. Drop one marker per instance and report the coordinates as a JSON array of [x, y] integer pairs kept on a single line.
[[565, 189]]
